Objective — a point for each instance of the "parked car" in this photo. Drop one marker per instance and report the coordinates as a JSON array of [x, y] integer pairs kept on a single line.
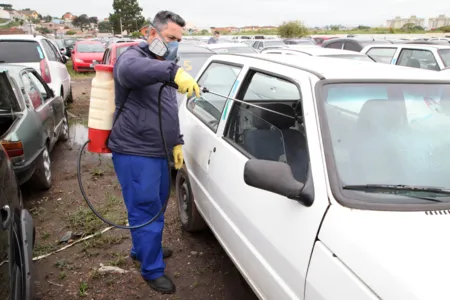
[[320, 52], [192, 57], [32, 120], [70, 43], [431, 57], [231, 48], [261, 44], [60, 45], [114, 50], [16, 237], [310, 42], [352, 44], [42, 55], [332, 187], [86, 54], [320, 39]]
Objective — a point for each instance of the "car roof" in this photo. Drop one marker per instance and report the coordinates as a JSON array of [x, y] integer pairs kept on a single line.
[[315, 50], [417, 46], [23, 37], [193, 48], [120, 45], [13, 69], [88, 42], [338, 69]]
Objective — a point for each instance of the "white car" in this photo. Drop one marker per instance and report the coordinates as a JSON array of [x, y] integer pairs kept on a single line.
[[319, 51], [430, 57], [323, 179], [231, 48], [41, 54]]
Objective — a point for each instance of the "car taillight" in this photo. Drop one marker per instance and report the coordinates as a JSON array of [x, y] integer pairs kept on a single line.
[[45, 71], [13, 149]]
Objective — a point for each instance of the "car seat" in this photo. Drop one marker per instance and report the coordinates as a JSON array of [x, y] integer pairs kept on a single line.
[[273, 138], [376, 147], [413, 63]]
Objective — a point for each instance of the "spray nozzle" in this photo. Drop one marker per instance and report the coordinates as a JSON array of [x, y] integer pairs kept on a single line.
[[205, 90]]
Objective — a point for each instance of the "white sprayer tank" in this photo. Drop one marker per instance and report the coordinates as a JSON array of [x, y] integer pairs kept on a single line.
[[101, 109]]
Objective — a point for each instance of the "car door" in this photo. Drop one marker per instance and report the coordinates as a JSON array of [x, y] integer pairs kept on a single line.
[[5, 265], [43, 108], [62, 69], [106, 57], [269, 237], [200, 124]]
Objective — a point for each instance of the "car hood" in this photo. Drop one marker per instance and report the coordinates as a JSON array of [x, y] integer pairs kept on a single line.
[[398, 255], [90, 56]]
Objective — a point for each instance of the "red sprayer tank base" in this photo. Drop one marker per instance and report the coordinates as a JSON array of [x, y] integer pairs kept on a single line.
[[98, 139]]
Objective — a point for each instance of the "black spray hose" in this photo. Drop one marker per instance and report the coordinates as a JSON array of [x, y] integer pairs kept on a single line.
[[163, 208]]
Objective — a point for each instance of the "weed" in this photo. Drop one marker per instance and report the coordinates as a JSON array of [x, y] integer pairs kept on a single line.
[[94, 274], [45, 235], [64, 264], [103, 241], [82, 289], [176, 274], [38, 212], [83, 219], [62, 275], [97, 172], [119, 259], [41, 249], [195, 284]]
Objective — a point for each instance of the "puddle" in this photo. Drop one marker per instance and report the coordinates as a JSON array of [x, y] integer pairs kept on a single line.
[[78, 133]]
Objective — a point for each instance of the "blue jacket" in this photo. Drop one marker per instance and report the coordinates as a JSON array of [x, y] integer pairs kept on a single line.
[[138, 76]]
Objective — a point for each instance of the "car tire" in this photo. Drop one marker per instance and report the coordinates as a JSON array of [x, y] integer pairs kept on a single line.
[[70, 97], [64, 133], [190, 218], [42, 176]]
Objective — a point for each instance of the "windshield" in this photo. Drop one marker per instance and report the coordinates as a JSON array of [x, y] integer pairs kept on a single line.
[[90, 48], [445, 56], [235, 50], [389, 133], [350, 56], [193, 62]]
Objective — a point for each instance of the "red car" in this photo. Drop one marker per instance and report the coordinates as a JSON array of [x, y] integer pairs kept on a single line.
[[114, 50], [86, 54]]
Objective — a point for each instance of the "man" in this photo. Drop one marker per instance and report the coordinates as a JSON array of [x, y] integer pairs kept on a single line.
[[215, 38], [138, 152]]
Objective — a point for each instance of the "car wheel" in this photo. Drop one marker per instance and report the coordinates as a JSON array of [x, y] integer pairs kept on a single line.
[[64, 134], [70, 97], [43, 174], [190, 218]]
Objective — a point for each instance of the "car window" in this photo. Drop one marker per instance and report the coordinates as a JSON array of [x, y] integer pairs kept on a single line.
[[56, 51], [415, 58], [20, 52], [268, 88], [445, 56], [121, 50], [382, 55], [48, 50], [350, 56], [90, 48], [193, 62], [219, 79], [105, 59], [351, 46], [33, 89], [335, 45], [270, 130]]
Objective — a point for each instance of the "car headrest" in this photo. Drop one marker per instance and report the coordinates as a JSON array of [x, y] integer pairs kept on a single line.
[[413, 63], [382, 115], [263, 118]]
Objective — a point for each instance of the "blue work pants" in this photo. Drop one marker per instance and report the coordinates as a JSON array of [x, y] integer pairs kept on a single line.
[[145, 187]]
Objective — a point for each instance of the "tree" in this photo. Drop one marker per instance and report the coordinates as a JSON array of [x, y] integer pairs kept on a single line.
[[129, 12], [362, 27], [40, 17], [44, 30], [70, 32], [93, 20], [81, 21], [292, 29], [7, 6], [104, 27], [48, 18]]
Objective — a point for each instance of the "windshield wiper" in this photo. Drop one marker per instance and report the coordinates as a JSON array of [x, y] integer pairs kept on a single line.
[[400, 189]]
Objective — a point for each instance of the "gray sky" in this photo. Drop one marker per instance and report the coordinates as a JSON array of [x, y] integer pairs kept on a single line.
[[206, 13]]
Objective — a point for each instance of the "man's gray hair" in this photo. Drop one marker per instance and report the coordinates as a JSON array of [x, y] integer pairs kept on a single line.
[[163, 18]]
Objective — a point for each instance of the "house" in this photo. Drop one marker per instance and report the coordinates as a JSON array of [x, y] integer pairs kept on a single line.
[[250, 28], [268, 28], [30, 14], [224, 29], [4, 14], [15, 15], [399, 22], [67, 16]]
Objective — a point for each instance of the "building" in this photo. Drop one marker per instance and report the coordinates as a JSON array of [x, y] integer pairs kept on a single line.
[[399, 22], [4, 14], [30, 14], [15, 15], [67, 16], [440, 21], [224, 29]]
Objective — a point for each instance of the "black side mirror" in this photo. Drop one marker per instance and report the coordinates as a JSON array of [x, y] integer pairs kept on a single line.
[[64, 59], [272, 176]]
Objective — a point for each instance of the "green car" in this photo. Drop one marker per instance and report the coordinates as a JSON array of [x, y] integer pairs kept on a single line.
[[32, 120]]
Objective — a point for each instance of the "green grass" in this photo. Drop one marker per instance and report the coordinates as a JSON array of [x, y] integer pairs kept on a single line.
[[74, 74]]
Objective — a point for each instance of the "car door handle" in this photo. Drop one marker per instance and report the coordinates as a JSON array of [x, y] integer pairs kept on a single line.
[[6, 216]]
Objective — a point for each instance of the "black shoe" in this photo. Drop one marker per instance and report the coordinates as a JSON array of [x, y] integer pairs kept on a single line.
[[162, 285], [167, 252]]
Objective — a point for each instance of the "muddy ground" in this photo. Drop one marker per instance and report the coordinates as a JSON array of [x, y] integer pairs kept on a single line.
[[199, 267]]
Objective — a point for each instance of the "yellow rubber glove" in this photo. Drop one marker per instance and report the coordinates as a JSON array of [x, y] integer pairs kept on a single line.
[[186, 83], [178, 157]]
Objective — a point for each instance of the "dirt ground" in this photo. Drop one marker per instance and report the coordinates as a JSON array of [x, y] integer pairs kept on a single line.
[[199, 267]]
